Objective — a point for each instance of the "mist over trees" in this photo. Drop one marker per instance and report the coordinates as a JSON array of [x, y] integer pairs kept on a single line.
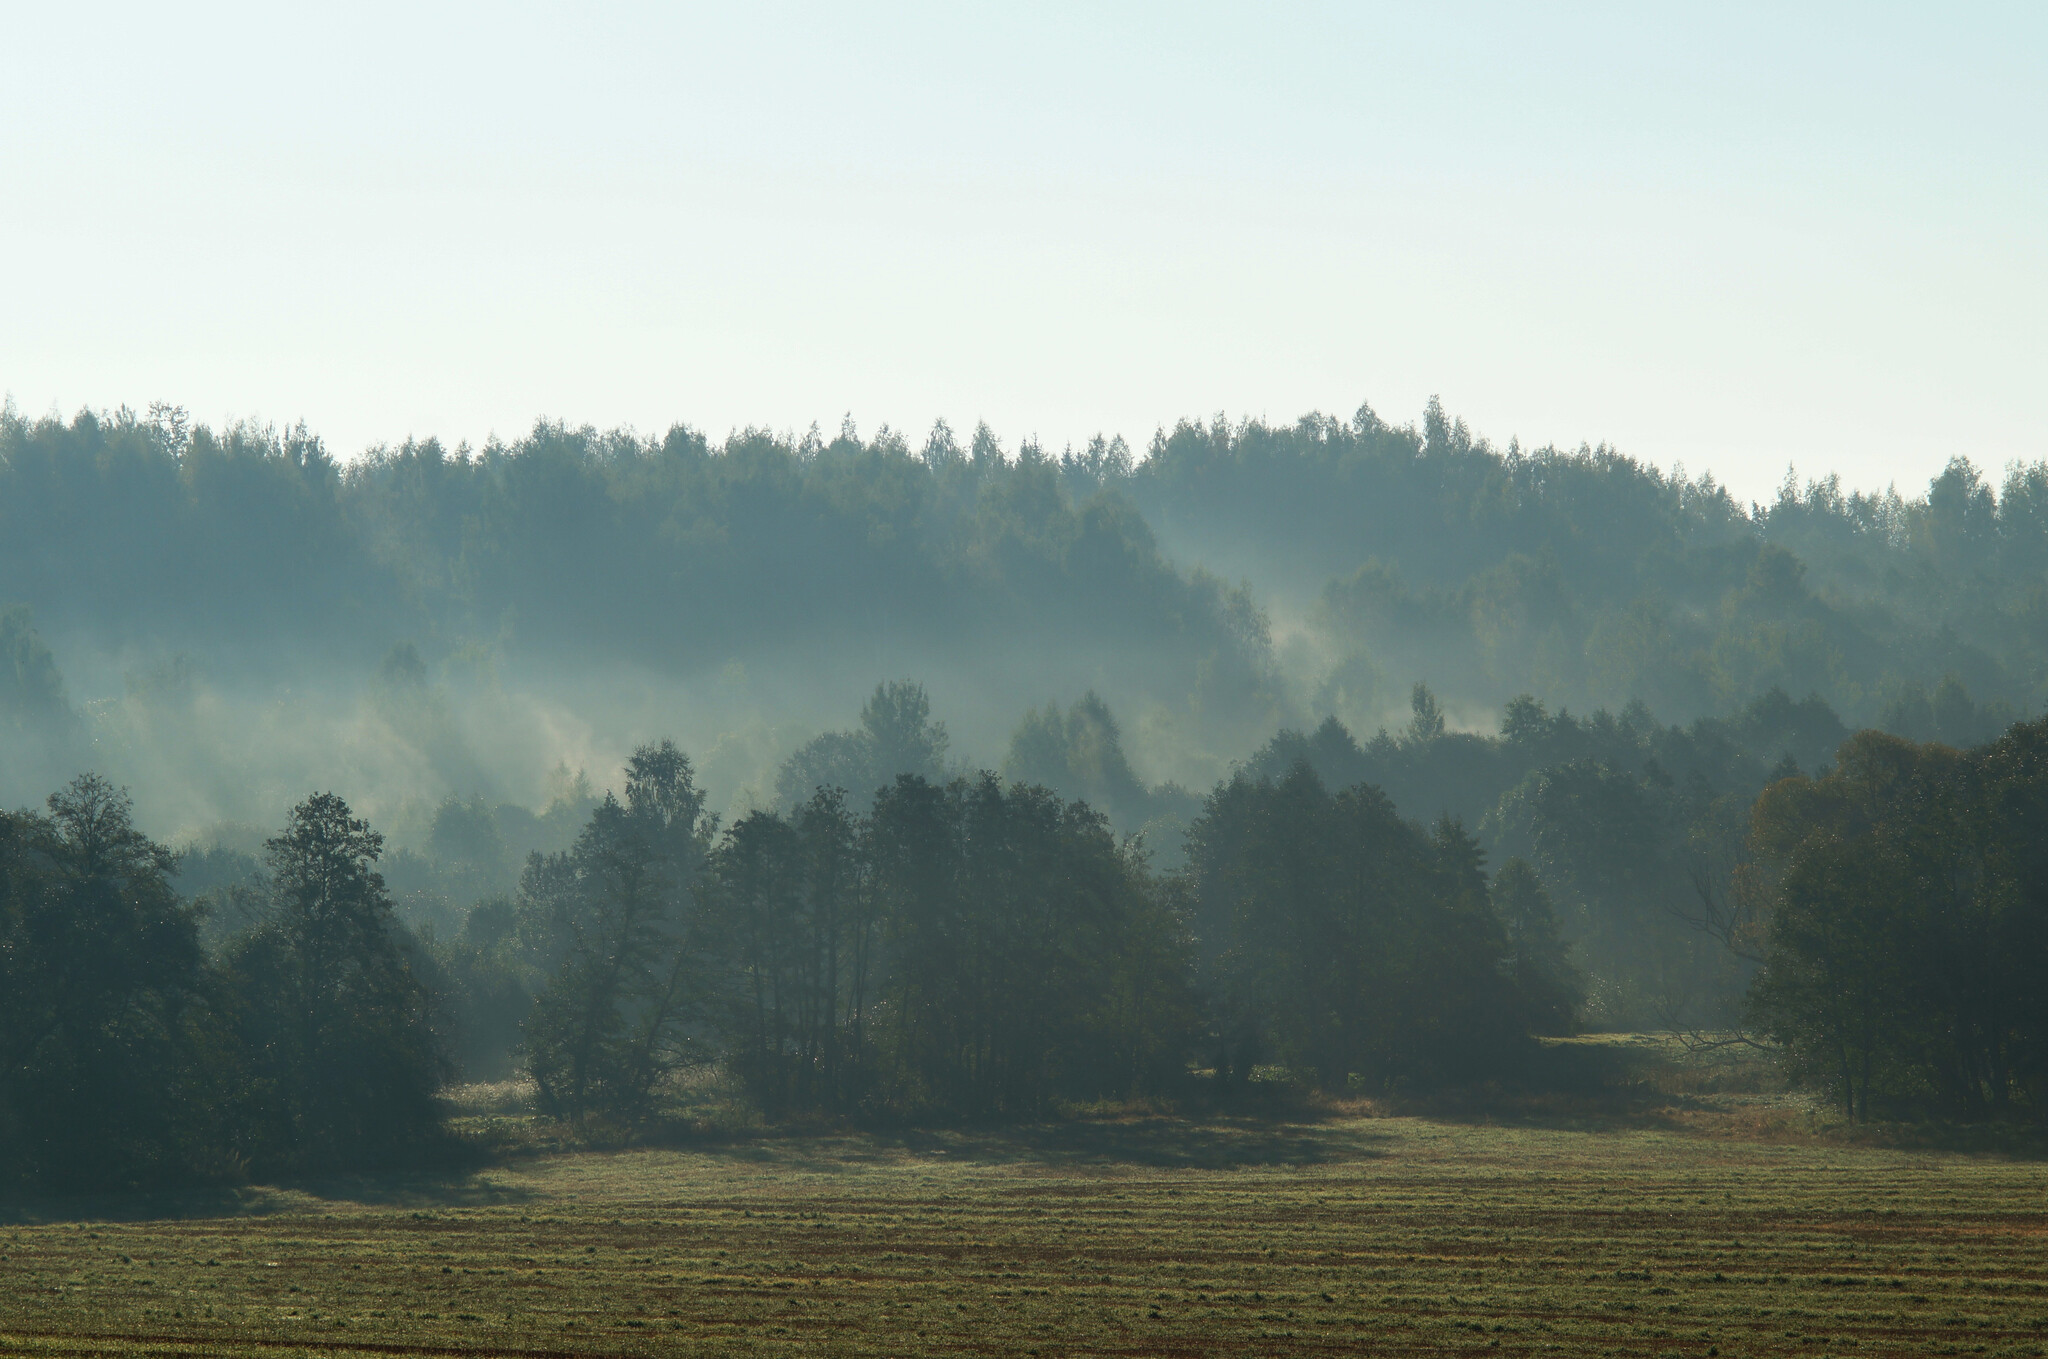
[[896, 736], [1592, 580], [1000, 801], [777, 554], [464, 620]]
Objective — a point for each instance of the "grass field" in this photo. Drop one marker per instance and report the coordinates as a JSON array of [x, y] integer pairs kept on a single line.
[[1705, 1229]]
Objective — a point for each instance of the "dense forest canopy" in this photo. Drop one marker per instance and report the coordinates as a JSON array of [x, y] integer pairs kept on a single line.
[[1359, 752], [214, 613], [1592, 579]]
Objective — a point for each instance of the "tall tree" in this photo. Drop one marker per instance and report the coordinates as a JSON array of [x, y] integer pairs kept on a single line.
[[105, 1034], [615, 1017], [335, 1022]]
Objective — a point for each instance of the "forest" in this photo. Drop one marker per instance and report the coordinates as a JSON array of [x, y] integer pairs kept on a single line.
[[901, 783], [463, 621]]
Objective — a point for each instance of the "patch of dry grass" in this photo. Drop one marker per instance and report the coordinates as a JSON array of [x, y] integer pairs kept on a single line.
[[1138, 1235]]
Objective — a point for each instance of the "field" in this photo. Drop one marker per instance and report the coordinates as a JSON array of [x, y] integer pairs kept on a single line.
[[1708, 1233]]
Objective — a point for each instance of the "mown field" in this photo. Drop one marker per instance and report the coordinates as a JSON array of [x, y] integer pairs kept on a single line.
[[1345, 1233]]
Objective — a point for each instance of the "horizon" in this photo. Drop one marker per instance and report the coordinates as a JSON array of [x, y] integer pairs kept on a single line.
[[1011, 447], [1739, 241]]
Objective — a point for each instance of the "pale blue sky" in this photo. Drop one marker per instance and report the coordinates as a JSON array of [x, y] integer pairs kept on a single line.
[[1733, 236]]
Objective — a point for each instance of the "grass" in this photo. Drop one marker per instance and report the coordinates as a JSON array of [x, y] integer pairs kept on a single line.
[[1711, 1221]]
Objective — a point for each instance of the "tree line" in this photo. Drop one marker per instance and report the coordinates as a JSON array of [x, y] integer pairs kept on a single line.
[[970, 947], [1425, 551], [669, 552], [965, 947], [1401, 552], [956, 948]]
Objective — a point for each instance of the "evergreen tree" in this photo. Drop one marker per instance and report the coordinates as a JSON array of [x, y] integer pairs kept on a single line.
[[335, 1023]]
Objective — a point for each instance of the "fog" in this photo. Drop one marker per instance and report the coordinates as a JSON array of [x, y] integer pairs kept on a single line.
[[224, 620], [960, 778], [205, 749]]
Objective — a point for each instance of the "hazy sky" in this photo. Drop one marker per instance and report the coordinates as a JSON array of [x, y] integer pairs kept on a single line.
[[1732, 236]]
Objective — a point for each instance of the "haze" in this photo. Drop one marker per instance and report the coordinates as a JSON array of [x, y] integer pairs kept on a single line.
[[1734, 238], [1021, 680]]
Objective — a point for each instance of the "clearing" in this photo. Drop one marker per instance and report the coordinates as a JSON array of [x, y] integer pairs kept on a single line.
[[1340, 1234]]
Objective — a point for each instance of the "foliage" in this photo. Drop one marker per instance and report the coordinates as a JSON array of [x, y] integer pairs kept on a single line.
[[972, 948], [1907, 899], [665, 552], [1080, 754], [104, 1033], [30, 687], [967, 949], [1397, 553], [612, 1021], [896, 736], [1633, 827], [1343, 942], [791, 905], [1596, 579], [1538, 964], [128, 1055], [1028, 958], [341, 1066]]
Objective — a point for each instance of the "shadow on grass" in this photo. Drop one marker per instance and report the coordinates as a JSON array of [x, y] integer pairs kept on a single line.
[[1622, 1083], [1166, 1143], [1276, 1125], [2009, 1141], [1633, 1085], [419, 1189], [1601, 1112]]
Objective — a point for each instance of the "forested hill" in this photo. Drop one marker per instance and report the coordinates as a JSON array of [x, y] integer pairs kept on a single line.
[[1591, 578], [665, 552], [1235, 580]]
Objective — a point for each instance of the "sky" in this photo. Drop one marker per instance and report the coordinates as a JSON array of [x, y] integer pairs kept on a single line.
[[1725, 236]]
